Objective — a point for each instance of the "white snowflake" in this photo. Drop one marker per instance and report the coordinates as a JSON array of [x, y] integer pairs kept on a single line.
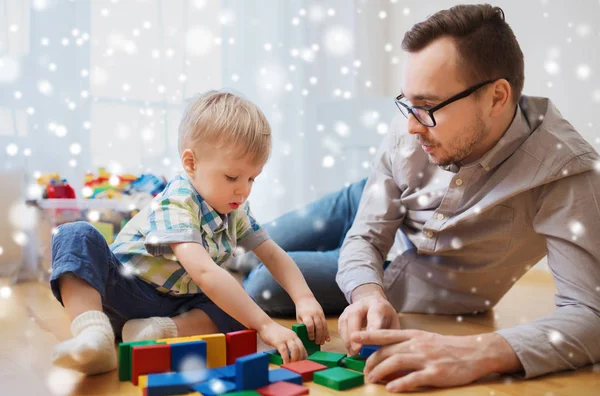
[[552, 67], [338, 40], [583, 72], [266, 294], [456, 243], [555, 337], [341, 128]]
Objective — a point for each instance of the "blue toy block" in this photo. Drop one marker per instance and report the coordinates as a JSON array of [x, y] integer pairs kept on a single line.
[[199, 376], [368, 350], [214, 387], [193, 350], [282, 374], [227, 371], [252, 371], [167, 384]]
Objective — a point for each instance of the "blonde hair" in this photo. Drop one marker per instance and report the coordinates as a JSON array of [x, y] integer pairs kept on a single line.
[[219, 119]]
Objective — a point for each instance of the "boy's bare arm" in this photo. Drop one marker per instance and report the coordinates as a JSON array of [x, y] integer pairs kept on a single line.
[[219, 285]]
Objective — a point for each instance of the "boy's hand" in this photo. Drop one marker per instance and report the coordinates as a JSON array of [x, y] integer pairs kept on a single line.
[[283, 340], [309, 312]]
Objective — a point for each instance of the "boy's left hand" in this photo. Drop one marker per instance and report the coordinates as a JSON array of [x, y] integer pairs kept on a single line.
[[309, 312]]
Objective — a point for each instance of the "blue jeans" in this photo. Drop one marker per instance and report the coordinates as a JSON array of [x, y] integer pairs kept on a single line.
[[79, 250], [312, 236]]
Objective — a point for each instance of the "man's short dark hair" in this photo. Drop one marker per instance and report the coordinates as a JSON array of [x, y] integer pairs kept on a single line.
[[486, 44]]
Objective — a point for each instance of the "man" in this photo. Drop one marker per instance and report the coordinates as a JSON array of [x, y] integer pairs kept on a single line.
[[472, 187]]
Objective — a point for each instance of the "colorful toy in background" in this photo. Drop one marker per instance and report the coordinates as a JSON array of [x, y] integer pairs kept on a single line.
[[110, 186], [55, 187]]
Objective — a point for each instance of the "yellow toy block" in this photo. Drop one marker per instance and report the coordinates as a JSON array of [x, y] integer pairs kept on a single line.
[[142, 381], [175, 340], [216, 349]]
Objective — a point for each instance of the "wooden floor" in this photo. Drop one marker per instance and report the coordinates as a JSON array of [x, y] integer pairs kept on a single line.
[[32, 322]]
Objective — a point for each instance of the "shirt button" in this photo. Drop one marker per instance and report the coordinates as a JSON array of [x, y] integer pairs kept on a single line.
[[429, 234], [440, 216], [458, 182]]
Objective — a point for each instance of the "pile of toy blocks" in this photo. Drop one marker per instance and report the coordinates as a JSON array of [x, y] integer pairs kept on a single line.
[[230, 364]]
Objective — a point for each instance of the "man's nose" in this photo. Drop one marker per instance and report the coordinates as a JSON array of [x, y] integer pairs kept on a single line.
[[415, 127]]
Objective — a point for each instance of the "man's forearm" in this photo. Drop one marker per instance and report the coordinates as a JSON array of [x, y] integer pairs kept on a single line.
[[367, 290]]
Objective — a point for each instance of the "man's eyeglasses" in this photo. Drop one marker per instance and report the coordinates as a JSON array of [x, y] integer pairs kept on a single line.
[[425, 115]]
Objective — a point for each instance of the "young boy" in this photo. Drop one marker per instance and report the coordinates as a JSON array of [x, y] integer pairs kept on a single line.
[[161, 277]]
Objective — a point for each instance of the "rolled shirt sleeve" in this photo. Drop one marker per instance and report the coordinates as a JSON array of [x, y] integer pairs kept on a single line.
[[249, 233], [569, 218]]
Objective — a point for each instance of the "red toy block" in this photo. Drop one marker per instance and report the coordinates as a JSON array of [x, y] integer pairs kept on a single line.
[[240, 343], [150, 359], [305, 368], [283, 389]]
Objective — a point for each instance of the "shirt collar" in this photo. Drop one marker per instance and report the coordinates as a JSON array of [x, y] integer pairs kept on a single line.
[[518, 131]]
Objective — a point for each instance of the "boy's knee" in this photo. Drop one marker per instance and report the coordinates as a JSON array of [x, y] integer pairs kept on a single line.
[[77, 231]]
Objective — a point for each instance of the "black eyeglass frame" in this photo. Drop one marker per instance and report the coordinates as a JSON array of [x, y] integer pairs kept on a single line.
[[435, 108]]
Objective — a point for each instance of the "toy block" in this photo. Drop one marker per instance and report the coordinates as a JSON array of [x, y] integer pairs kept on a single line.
[[274, 357], [240, 343], [356, 363], [302, 333], [228, 372], [214, 387], [125, 358], [167, 384], [368, 350], [216, 349], [252, 371], [188, 355], [329, 359], [339, 378], [282, 374], [305, 368], [148, 359], [198, 376], [142, 381], [244, 393], [175, 340], [283, 389]]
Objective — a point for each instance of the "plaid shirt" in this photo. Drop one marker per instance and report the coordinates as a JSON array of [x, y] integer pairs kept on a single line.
[[180, 214]]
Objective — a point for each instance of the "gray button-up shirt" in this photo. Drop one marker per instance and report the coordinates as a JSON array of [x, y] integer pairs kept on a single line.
[[462, 236]]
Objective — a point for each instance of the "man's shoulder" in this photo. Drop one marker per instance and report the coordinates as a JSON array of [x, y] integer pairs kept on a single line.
[[558, 147]]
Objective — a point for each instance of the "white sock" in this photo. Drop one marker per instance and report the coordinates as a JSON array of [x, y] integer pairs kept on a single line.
[[148, 329], [92, 350]]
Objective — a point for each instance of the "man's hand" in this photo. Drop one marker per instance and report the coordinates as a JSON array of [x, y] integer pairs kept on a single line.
[[309, 312], [370, 308], [420, 358], [284, 340]]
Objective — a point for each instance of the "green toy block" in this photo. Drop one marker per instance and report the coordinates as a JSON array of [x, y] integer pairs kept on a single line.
[[329, 359], [356, 363], [274, 357], [338, 378], [244, 393], [302, 332], [125, 357]]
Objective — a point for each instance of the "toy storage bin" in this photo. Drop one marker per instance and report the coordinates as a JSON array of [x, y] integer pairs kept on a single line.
[[107, 215]]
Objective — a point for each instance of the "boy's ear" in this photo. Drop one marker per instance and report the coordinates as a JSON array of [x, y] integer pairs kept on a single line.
[[188, 161]]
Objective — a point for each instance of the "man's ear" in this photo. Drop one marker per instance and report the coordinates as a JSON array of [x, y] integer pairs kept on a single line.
[[188, 161], [501, 97]]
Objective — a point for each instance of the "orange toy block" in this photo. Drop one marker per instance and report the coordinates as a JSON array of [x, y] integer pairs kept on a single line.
[[149, 359]]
